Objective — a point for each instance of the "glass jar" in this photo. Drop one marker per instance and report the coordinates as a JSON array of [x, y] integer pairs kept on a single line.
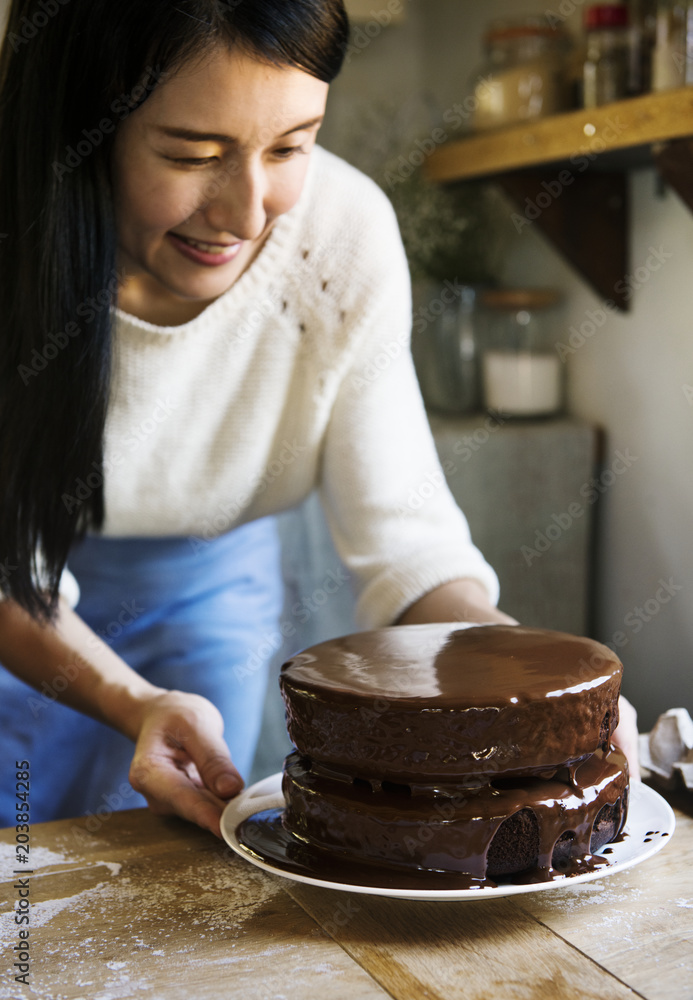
[[444, 347], [642, 16], [672, 59], [607, 68], [524, 74], [521, 372]]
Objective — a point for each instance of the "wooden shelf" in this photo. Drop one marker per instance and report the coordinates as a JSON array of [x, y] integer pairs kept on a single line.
[[585, 154], [591, 133]]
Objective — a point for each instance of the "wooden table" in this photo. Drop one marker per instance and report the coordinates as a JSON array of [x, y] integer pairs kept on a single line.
[[130, 905]]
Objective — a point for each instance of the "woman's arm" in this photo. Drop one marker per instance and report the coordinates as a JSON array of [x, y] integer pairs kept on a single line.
[[468, 601], [457, 601], [181, 763]]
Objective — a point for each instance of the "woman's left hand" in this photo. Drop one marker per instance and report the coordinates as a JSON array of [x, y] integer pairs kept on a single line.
[[181, 763], [625, 736]]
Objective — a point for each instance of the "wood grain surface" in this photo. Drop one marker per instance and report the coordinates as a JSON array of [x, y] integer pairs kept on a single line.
[[156, 908], [139, 906], [471, 950], [638, 924]]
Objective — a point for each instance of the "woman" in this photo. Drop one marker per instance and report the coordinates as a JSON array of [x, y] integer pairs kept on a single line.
[[193, 296]]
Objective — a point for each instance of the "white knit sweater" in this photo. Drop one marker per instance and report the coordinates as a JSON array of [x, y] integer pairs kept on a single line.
[[298, 376]]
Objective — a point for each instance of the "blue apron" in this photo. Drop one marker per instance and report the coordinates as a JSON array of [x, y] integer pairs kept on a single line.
[[185, 614]]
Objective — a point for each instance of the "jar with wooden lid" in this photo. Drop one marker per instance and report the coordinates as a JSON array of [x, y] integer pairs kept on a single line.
[[524, 74], [522, 373]]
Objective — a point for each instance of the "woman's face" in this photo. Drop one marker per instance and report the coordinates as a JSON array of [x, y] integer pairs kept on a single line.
[[201, 171]]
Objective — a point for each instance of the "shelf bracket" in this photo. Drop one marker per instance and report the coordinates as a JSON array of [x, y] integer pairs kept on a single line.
[[674, 161], [589, 226]]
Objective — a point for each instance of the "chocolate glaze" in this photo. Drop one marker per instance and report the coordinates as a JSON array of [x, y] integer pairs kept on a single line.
[[444, 701], [264, 836], [456, 829]]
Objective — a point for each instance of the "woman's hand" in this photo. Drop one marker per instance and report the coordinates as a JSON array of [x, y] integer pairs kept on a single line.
[[625, 736], [182, 764]]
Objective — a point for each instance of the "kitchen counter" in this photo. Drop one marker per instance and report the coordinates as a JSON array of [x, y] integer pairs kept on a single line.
[[133, 905]]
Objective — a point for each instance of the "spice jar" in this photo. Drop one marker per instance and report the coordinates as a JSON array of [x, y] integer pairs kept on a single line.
[[524, 74], [607, 66], [521, 370]]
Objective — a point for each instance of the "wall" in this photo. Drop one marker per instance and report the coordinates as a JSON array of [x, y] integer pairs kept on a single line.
[[633, 377]]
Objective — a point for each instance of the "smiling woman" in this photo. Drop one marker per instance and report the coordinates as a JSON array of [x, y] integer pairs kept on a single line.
[[202, 172], [204, 288]]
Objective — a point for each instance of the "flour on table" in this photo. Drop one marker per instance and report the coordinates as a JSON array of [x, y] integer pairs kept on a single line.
[[39, 857]]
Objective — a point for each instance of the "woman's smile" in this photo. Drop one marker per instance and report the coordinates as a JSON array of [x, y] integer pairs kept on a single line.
[[203, 252]]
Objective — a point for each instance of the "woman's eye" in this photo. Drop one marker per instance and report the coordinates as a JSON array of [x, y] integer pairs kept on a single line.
[[194, 160], [288, 151]]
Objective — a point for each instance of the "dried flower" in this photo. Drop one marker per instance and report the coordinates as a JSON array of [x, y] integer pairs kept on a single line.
[[451, 232]]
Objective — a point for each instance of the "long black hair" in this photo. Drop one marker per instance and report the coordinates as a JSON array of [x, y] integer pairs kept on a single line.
[[70, 70]]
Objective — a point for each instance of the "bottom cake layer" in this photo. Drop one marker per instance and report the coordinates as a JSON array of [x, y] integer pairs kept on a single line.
[[510, 826]]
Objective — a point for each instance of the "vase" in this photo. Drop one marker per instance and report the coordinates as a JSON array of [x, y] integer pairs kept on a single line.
[[445, 347]]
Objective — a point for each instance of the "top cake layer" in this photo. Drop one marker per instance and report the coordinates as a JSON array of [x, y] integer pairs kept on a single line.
[[421, 702]]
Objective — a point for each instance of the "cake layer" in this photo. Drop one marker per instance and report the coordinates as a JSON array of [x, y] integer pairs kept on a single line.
[[441, 701], [516, 825]]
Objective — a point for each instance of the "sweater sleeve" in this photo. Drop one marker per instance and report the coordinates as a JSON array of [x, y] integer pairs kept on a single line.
[[393, 519], [69, 588]]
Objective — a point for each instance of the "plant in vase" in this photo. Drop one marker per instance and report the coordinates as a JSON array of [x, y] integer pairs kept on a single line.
[[455, 237]]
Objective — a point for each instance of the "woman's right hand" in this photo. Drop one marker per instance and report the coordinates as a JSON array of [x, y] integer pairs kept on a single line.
[[182, 765]]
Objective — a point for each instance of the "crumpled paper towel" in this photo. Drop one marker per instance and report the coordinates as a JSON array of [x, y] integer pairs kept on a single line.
[[667, 751]]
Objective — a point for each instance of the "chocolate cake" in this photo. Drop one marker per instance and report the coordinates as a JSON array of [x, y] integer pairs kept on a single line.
[[471, 753]]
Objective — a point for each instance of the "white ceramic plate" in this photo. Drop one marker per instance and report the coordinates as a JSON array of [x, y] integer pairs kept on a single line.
[[649, 827]]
